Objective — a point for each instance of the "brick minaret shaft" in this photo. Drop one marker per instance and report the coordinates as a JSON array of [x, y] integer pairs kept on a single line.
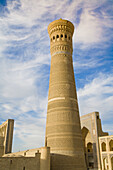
[[63, 131]]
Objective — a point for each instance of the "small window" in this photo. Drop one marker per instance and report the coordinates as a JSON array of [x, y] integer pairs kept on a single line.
[[90, 147], [57, 36], [61, 35], [53, 37], [97, 117], [24, 168], [91, 164], [69, 38], [88, 150], [65, 36]]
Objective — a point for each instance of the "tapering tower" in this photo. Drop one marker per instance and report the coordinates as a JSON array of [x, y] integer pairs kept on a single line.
[[63, 131]]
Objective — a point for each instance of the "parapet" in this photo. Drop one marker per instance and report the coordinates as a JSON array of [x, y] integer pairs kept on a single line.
[[60, 25], [39, 158]]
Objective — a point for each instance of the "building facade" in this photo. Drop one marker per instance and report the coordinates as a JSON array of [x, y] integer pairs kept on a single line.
[[32, 159], [106, 152], [91, 132]]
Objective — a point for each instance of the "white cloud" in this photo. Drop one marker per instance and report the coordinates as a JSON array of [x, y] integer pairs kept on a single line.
[[81, 63], [97, 95], [93, 28], [89, 30]]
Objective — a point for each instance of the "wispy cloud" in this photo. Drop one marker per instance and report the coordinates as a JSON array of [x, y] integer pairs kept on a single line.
[[97, 95], [93, 29]]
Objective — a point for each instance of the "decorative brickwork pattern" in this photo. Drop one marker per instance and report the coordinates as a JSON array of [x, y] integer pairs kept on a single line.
[[63, 131]]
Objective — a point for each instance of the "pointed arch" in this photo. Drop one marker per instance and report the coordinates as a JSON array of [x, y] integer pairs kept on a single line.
[[103, 145], [112, 162], [89, 147], [111, 145], [84, 132], [105, 161]]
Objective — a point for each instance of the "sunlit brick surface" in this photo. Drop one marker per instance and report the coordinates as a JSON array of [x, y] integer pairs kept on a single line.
[[63, 131]]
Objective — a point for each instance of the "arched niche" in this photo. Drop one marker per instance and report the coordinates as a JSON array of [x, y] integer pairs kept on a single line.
[[89, 147], [112, 162], [111, 145], [84, 132], [103, 145], [105, 164]]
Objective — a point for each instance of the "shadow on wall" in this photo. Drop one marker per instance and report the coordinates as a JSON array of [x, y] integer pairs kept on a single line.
[[112, 162], [20, 163], [111, 145], [1, 140], [1, 145], [60, 162]]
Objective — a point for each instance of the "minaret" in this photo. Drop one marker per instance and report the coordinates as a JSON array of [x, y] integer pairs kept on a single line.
[[63, 131]]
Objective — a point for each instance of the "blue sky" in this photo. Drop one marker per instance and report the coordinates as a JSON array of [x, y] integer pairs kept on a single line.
[[25, 62]]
